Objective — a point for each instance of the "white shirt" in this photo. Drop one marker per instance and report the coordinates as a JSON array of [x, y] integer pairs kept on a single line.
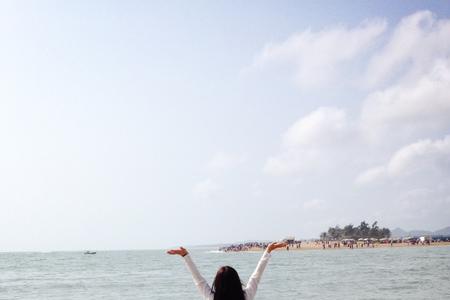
[[250, 289]]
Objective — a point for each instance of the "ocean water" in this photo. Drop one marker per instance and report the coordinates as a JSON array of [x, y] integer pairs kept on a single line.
[[398, 273]]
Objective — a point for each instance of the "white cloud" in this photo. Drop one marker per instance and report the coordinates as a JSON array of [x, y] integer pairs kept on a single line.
[[422, 156], [205, 189], [416, 42], [414, 67], [309, 140], [406, 108], [422, 105], [322, 126], [222, 161], [371, 175], [317, 56], [427, 158]]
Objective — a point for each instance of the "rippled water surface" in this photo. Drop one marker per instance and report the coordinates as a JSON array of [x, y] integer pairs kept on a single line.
[[399, 273]]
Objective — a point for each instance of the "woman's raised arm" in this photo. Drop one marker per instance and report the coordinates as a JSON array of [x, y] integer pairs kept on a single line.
[[252, 285], [202, 286]]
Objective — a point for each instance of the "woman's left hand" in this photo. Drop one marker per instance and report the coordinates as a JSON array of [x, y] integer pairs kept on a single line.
[[181, 251], [275, 245]]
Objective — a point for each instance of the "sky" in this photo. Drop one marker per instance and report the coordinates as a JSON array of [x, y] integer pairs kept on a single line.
[[152, 124]]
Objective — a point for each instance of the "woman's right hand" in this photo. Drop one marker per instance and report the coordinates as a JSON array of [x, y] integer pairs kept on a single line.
[[181, 251], [275, 245]]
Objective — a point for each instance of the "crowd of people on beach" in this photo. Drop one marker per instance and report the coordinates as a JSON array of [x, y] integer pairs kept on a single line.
[[333, 244], [257, 246], [244, 246]]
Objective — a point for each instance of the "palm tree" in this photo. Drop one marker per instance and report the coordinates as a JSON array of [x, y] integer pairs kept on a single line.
[[364, 229], [349, 231]]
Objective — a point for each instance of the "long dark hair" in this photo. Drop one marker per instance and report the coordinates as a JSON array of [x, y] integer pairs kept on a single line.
[[227, 285]]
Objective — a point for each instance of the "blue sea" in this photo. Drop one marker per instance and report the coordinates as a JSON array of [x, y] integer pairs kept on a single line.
[[380, 273]]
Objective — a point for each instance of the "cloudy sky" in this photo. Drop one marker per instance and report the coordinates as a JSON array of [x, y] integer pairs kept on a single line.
[[136, 125]]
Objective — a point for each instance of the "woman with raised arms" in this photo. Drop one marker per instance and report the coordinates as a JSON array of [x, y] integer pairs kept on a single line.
[[227, 285]]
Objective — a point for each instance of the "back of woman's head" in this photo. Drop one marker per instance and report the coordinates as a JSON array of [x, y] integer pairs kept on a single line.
[[227, 285]]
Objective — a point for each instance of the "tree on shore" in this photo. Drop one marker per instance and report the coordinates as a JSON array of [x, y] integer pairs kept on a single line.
[[363, 230]]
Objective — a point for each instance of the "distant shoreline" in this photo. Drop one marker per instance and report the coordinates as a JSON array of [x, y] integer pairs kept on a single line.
[[331, 246]]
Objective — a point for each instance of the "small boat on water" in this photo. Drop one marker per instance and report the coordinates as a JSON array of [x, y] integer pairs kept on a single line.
[[90, 252]]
